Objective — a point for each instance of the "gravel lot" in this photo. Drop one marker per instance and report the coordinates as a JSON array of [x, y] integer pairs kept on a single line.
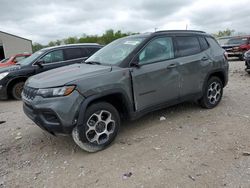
[[193, 147]]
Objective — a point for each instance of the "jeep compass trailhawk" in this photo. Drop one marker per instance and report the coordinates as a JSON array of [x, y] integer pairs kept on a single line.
[[125, 80]]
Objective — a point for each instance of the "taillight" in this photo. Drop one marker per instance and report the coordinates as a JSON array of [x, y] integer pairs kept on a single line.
[[226, 55]]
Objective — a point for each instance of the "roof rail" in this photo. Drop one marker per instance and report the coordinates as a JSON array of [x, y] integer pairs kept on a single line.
[[171, 31]]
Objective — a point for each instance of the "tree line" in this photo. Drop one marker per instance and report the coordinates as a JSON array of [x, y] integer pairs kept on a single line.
[[106, 38]]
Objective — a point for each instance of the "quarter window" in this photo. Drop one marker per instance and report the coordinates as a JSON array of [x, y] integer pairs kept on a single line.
[[158, 49], [187, 46], [53, 57], [203, 43]]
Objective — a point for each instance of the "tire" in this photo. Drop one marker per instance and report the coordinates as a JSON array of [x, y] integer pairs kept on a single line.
[[212, 94], [100, 127], [241, 57], [16, 90]]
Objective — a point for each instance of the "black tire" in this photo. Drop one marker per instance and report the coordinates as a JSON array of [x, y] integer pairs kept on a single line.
[[241, 57], [212, 97], [16, 90], [98, 116]]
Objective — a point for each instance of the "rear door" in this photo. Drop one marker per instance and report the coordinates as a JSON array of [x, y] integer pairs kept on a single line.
[[156, 80], [193, 63], [74, 55]]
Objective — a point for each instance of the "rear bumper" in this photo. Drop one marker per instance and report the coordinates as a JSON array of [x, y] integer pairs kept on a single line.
[[55, 115]]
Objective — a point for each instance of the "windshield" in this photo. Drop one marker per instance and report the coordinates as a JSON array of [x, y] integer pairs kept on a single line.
[[115, 52], [232, 41], [31, 58]]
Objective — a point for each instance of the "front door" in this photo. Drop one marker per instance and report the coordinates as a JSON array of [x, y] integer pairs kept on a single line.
[[52, 60], [156, 80]]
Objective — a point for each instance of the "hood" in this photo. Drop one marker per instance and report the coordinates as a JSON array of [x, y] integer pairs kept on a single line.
[[10, 68], [66, 74]]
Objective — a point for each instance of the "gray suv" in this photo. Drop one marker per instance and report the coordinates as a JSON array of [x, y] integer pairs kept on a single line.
[[126, 79]]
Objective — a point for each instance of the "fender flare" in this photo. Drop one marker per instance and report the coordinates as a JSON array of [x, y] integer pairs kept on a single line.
[[85, 103]]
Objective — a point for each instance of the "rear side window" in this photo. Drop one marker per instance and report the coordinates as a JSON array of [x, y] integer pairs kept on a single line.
[[187, 45], [92, 50], [203, 43], [87, 52], [73, 53]]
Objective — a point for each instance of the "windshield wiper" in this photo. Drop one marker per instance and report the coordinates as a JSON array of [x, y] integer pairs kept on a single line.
[[93, 62]]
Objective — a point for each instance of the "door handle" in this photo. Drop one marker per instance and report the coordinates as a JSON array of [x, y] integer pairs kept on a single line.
[[204, 59], [171, 66]]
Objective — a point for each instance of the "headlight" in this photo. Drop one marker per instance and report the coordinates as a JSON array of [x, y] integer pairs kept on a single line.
[[2, 75], [56, 92]]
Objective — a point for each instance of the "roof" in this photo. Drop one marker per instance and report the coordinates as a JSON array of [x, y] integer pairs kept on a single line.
[[180, 31], [15, 36], [67, 45]]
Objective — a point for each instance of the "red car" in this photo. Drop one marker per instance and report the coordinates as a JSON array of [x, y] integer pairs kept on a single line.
[[235, 46], [13, 60]]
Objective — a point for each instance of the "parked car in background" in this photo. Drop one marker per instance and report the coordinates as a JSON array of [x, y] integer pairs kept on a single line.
[[12, 78], [13, 60], [126, 79], [247, 61], [235, 46]]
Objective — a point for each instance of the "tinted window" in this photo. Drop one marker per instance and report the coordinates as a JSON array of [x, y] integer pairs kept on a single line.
[[92, 50], [157, 50], [73, 53], [187, 46], [53, 57], [203, 43]]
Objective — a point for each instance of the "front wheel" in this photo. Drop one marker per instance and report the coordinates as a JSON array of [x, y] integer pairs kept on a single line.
[[100, 127], [212, 94], [17, 90]]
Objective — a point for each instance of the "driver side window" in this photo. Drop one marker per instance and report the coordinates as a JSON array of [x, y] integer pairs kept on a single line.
[[158, 49], [53, 57]]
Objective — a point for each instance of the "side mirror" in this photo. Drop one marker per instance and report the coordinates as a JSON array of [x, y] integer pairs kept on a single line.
[[135, 62], [40, 63]]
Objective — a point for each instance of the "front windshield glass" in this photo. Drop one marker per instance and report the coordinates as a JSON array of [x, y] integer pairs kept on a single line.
[[31, 58], [115, 52], [232, 41]]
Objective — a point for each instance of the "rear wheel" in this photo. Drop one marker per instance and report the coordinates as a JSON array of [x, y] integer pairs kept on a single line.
[[100, 127], [212, 94], [17, 90]]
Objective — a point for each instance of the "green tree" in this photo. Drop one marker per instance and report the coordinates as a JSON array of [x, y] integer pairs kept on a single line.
[[36, 46], [227, 32], [71, 40]]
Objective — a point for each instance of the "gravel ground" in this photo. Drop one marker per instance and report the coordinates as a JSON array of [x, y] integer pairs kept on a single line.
[[192, 147]]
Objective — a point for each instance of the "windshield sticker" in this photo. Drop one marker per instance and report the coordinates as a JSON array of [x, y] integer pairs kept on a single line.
[[132, 42]]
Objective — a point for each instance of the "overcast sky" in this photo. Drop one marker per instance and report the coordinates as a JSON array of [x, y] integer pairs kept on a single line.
[[46, 20]]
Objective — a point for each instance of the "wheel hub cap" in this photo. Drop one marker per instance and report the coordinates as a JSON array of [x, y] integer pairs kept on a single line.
[[214, 92], [100, 126]]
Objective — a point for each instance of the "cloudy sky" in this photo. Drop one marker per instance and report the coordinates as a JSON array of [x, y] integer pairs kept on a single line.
[[46, 20]]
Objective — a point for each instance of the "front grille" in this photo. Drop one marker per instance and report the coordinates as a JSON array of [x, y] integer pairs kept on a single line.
[[29, 92]]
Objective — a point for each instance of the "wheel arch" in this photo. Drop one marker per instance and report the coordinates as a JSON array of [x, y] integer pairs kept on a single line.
[[118, 98], [12, 82]]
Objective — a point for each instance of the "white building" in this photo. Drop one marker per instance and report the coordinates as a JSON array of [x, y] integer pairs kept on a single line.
[[12, 45]]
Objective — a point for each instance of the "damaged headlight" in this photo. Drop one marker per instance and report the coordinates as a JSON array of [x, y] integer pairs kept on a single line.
[[56, 92]]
